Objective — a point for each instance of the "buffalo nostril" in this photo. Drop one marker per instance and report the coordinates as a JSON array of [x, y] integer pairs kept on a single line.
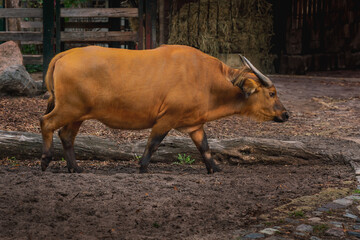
[[285, 115]]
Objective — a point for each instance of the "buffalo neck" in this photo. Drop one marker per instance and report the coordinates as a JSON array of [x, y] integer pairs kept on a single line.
[[225, 99]]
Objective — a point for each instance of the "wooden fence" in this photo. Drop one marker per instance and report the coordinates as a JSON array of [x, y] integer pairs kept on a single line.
[[321, 35], [28, 34], [49, 29]]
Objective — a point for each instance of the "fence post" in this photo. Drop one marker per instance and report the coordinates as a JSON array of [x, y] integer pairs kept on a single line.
[[141, 25], [58, 26], [153, 23], [148, 24], [48, 29]]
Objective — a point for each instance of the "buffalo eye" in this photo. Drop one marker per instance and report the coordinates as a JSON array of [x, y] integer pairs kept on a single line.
[[272, 94]]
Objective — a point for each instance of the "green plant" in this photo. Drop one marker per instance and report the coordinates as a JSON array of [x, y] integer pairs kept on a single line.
[[356, 191], [31, 68], [13, 161], [156, 225], [31, 49], [184, 159], [136, 157], [63, 159], [320, 228], [33, 4], [329, 212], [73, 3], [297, 214]]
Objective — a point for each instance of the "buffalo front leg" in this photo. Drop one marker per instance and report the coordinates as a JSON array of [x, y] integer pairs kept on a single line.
[[67, 135], [152, 145], [200, 140]]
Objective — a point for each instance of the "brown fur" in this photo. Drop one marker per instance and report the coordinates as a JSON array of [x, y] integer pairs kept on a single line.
[[171, 87]]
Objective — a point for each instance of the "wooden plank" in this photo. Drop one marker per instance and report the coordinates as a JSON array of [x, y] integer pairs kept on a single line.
[[21, 36], [24, 24], [113, 36], [31, 42], [87, 25], [99, 12], [33, 59], [20, 12]]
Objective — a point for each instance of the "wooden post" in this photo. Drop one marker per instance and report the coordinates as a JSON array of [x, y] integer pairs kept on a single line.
[[48, 29], [148, 24], [13, 24], [153, 23], [115, 23], [161, 22], [141, 25], [58, 27]]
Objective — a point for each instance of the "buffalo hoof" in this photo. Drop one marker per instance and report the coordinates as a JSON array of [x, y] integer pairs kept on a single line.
[[75, 169], [44, 165], [214, 169], [45, 161], [143, 170]]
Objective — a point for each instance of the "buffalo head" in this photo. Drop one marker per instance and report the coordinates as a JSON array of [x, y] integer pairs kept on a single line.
[[261, 100]]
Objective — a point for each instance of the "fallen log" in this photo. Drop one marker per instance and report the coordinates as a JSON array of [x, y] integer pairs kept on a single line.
[[245, 150]]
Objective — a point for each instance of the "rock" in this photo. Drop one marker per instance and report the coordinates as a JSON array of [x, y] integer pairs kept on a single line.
[[353, 197], [337, 224], [254, 236], [356, 227], [276, 238], [14, 79], [331, 206], [269, 231], [240, 232], [292, 221], [304, 228], [355, 234], [336, 232], [344, 201], [300, 235], [315, 219], [322, 209], [10, 55], [349, 215], [315, 238], [317, 213]]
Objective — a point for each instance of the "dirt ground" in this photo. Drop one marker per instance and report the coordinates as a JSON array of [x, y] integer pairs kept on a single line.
[[112, 201]]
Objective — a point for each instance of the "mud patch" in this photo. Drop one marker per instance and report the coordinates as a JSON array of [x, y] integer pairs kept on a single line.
[[112, 200]]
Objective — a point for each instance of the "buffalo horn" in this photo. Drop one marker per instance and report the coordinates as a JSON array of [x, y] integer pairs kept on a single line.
[[264, 79]]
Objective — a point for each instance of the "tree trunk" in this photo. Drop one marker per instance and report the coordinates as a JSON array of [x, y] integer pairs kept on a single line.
[[24, 145], [13, 24]]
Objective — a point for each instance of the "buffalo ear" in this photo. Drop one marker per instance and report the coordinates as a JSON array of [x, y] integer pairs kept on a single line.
[[248, 86]]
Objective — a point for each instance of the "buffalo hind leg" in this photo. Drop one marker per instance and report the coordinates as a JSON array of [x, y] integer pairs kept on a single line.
[[49, 123], [200, 140], [67, 135], [48, 148], [152, 145]]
